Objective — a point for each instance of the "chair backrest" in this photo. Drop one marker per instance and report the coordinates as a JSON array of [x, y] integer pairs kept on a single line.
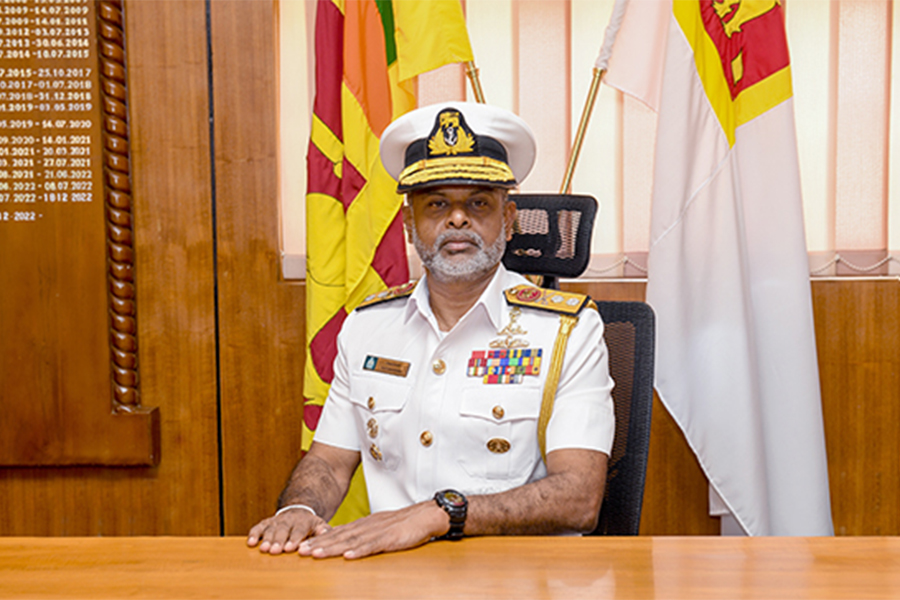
[[553, 240], [629, 332], [552, 235]]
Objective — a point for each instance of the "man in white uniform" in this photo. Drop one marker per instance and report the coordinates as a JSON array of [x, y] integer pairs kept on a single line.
[[477, 403]]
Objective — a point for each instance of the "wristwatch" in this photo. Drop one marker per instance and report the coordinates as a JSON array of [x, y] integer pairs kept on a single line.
[[456, 506]]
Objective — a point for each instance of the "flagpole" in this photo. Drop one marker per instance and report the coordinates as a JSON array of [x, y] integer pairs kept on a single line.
[[472, 72], [600, 66], [582, 128]]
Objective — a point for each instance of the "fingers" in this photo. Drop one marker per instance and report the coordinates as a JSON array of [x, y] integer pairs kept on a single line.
[[387, 531], [380, 532], [322, 528], [346, 541], [274, 543], [283, 533], [358, 539], [255, 533], [297, 536]]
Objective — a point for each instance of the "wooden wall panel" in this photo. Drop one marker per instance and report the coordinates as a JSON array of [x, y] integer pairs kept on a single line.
[[261, 318], [62, 402], [858, 335], [171, 185]]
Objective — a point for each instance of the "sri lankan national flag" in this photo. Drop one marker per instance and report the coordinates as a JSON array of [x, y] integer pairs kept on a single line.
[[368, 53], [728, 273]]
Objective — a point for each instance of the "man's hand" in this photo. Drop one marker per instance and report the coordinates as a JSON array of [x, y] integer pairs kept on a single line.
[[285, 532], [319, 481], [386, 531]]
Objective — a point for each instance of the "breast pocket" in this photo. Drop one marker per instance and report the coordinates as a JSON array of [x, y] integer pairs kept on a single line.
[[500, 431], [380, 403]]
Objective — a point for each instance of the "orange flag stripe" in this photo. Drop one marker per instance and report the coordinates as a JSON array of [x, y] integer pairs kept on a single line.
[[365, 64]]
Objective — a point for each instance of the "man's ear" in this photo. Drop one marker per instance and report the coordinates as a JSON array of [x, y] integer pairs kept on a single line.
[[407, 221], [509, 218]]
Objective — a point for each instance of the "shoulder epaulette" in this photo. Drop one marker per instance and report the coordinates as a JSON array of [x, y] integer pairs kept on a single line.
[[399, 291], [567, 303]]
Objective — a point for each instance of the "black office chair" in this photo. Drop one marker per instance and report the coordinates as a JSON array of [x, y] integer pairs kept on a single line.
[[552, 236], [553, 240], [629, 332]]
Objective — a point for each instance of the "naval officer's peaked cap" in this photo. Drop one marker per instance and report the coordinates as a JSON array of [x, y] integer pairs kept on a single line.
[[458, 143]]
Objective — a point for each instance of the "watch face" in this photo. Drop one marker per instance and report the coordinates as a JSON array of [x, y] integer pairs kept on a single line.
[[454, 499]]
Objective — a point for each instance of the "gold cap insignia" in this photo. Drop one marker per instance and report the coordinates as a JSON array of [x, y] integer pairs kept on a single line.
[[450, 137]]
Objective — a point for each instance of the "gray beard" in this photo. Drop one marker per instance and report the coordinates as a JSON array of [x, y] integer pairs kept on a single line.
[[445, 269]]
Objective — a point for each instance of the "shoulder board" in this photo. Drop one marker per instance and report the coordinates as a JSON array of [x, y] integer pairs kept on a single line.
[[400, 291], [567, 303]]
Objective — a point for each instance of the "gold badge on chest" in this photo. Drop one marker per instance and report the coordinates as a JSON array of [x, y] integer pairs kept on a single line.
[[507, 336], [510, 359]]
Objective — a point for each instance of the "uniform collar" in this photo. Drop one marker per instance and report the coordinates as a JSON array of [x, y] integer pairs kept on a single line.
[[491, 300]]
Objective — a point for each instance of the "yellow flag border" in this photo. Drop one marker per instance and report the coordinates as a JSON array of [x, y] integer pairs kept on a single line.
[[752, 101]]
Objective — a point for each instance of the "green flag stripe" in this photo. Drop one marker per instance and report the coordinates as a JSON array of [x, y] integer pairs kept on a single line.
[[385, 8]]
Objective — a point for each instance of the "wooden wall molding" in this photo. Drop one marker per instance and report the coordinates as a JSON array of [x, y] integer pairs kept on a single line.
[[117, 196]]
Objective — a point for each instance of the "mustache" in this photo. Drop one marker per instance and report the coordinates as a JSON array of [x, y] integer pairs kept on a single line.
[[458, 236]]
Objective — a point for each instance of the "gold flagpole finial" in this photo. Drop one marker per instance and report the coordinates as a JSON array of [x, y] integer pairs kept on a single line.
[[472, 72], [582, 128]]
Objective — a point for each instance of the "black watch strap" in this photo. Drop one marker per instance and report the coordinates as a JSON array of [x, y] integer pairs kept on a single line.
[[456, 506]]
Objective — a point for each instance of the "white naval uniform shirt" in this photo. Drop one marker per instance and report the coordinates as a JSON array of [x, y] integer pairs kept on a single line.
[[384, 416]]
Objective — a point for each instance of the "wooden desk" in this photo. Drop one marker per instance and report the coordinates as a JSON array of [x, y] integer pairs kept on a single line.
[[534, 567]]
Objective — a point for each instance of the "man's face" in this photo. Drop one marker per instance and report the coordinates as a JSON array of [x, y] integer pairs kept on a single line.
[[460, 232]]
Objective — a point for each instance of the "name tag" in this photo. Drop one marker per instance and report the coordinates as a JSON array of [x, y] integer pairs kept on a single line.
[[388, 366]]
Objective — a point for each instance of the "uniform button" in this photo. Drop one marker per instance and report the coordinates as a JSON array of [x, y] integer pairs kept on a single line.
[[498, 445], [438, 367], [375, 452], [426, 438], [498, 412], [372, 427], [371, 403]]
